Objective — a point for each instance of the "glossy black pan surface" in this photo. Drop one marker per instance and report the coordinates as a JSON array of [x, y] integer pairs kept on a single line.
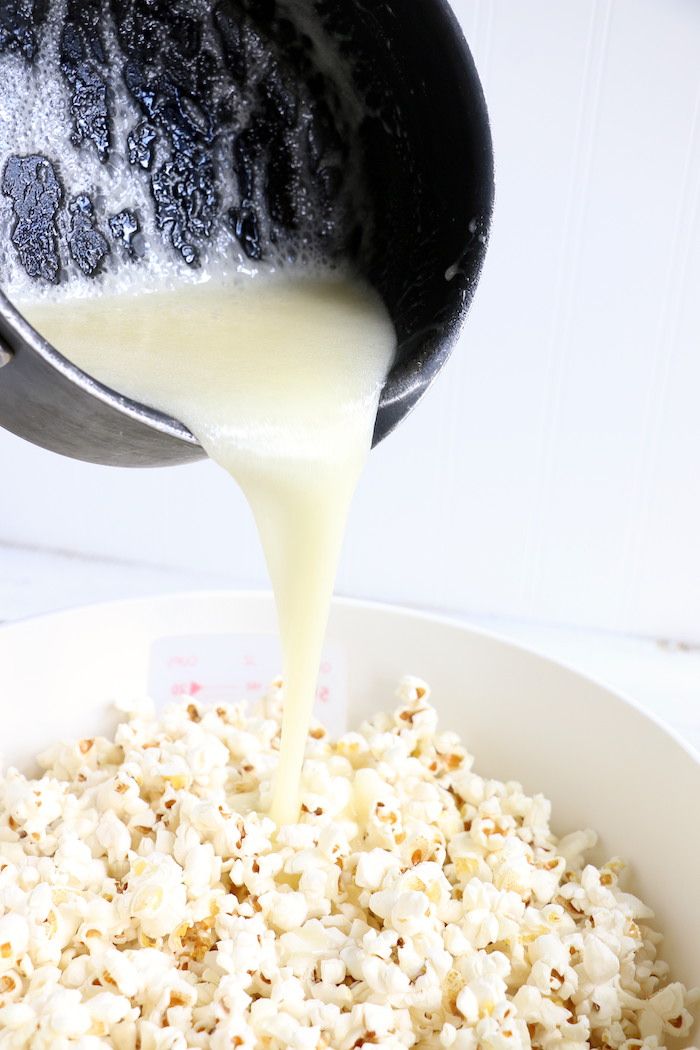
[[422, 147]]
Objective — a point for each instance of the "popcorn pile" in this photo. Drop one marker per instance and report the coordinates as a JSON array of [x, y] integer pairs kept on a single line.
[[146, 903]]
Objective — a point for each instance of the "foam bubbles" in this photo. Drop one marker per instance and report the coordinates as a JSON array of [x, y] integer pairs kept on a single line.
[[297, 135]]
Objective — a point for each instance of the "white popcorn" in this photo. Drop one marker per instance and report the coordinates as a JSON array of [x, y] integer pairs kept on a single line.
[[107, 1009], [448, 1034], [113, 836], [600, 963], [374, 866], [156, 897], [285, 911], [14, 940], [145, 902]]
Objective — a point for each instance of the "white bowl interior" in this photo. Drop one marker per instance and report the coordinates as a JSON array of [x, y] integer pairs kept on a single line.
[[603, 762]]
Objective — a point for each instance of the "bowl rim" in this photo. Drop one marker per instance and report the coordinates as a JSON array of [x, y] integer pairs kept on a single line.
[[400, 612]]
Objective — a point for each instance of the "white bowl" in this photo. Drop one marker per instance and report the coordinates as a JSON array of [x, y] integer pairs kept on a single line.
[[603, 762]]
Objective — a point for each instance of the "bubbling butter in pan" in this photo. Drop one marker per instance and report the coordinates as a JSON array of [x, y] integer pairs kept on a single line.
[[279, 379]]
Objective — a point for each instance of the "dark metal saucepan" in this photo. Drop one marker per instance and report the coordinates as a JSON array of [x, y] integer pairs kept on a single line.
[[423, 147]]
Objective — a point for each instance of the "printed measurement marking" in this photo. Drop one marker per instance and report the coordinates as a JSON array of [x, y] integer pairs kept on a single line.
[[234, 668]]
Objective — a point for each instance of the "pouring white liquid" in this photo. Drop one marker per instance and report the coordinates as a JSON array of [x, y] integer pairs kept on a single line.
[[280, 381]]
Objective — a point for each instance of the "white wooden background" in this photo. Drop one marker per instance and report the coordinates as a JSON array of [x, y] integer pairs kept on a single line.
[[552, 473]]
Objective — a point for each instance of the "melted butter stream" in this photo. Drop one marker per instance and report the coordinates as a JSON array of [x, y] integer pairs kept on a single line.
[[279, 380]]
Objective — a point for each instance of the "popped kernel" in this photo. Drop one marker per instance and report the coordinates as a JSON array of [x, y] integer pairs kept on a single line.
[[147, 901]]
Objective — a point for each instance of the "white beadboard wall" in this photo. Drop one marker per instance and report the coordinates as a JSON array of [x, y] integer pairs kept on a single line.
[[553, 472]]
